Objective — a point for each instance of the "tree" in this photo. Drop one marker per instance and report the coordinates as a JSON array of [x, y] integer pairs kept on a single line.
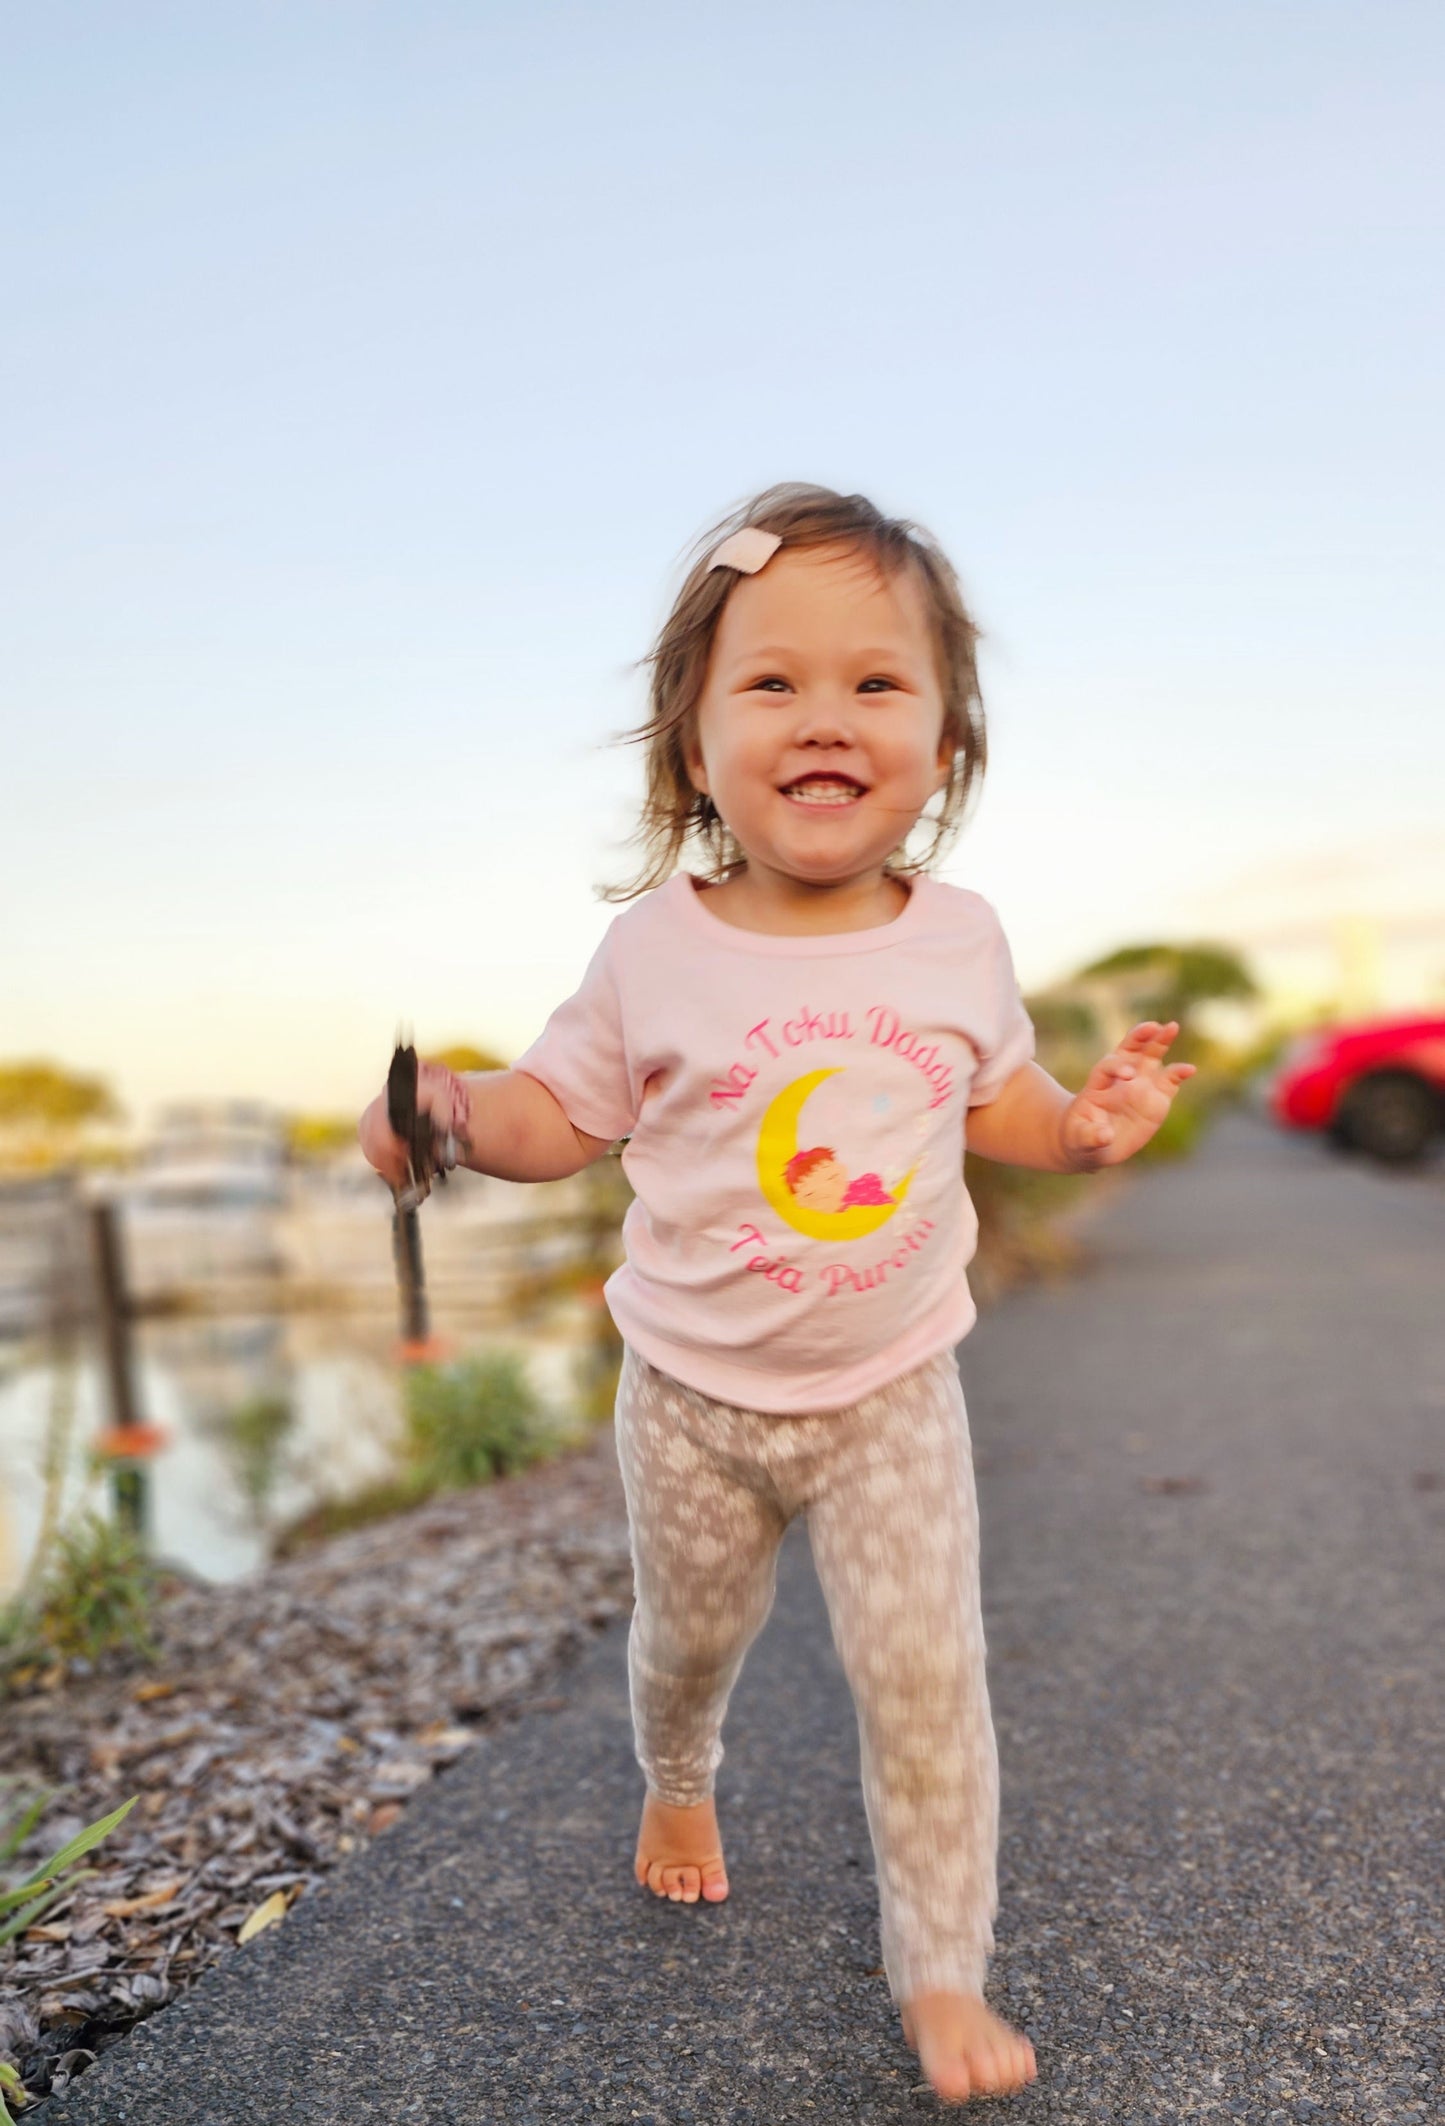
[[319, 1136], [42, 1096], [1164, 982], [45, 1112]]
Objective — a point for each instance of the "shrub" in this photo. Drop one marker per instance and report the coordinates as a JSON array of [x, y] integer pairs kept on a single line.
[[255, 1430], [476, 1419], [98, 1594], [1017, 1209]]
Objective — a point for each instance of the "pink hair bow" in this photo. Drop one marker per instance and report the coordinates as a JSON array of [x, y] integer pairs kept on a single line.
[[746, 550]]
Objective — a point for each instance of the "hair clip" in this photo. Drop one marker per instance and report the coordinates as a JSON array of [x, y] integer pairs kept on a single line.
[[747, 550]]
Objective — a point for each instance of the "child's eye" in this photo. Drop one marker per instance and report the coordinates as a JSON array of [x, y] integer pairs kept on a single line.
[[772, 681]]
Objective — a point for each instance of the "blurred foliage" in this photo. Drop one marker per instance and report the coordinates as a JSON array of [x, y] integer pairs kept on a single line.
[[1260, 1058], [475, 1419], [463, 1058], [11, 2089], [45, 1114], [537, 1288], [597, 1368], [1164, 982], [1019, 1233], [25, 1900], [371, 1502], [97, 1594], [466, 1422], [254, 1430], [42, 1094], [319, 1136], [1023, 1227], [1063, 1020], [22, 1902]]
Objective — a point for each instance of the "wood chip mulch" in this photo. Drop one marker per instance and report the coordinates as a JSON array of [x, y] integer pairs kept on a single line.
[[289, 1719]]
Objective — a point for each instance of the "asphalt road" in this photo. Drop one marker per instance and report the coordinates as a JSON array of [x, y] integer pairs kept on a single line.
[[1221, 1726]]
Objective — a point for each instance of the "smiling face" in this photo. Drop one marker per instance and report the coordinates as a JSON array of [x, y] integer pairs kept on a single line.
[[819, 730]]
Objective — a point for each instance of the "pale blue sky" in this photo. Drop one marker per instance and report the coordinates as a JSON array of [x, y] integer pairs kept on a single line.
[[368, 368]]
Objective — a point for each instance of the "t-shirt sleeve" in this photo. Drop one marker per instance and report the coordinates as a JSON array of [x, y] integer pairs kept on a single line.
[[1010, 1042], [581, 1054]]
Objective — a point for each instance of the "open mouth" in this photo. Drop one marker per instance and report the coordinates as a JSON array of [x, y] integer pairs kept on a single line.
[[824, 792]]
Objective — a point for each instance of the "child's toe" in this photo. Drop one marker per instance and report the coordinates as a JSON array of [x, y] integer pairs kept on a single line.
[[952, 2082], [1005, 2070], [714, 1882]]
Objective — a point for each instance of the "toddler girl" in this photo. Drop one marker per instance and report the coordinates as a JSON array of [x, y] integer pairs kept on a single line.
[[793, 1038]]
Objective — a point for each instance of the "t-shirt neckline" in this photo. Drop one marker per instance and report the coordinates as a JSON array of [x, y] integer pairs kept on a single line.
[[684, 890]]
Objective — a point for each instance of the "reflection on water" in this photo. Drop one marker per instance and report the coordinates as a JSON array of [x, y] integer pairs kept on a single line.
[[264, 1324], [222, 1484]]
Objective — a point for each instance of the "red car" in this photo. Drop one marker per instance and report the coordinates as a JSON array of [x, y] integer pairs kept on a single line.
[[1378, 1087]]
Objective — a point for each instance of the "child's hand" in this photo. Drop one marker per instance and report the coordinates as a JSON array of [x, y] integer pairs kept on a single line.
[[1124, 1100], [441, 1095]]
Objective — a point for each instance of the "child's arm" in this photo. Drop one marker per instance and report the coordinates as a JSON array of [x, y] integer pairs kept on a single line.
[[1034, 1121], [513, 1127]]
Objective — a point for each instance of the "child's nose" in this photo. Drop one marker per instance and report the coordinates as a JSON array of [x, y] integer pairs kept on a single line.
[[824, 718]]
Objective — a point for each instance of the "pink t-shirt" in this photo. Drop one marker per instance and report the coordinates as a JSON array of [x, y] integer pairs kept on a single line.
[[800, 1229]]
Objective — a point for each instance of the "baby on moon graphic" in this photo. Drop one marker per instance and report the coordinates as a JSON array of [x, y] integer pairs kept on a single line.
[[819, 1181]]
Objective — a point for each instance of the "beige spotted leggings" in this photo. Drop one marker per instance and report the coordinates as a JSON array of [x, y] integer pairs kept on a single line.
[[886, 1485]]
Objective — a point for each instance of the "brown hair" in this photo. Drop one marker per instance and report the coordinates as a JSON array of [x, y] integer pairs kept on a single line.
[[673, 812]]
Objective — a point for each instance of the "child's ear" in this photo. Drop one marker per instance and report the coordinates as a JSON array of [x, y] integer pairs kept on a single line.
[[695, 765]]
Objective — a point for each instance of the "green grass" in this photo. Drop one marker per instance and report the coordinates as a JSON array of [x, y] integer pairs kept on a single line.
[[467, 1422], [98, 1594]]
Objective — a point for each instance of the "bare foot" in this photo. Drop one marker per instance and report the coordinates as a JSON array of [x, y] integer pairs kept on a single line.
[[964, 2049], [679, 1852]]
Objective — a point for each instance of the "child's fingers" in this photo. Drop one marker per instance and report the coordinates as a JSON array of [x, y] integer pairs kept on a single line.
[[1089, 1128], [1112, 1069], [441, 1094], [1150, 1038]]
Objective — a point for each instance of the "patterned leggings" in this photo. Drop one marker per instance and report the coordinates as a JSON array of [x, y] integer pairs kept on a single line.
[[887, 1487]]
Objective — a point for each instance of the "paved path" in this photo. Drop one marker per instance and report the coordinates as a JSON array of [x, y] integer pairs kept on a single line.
[[1220, 1718]]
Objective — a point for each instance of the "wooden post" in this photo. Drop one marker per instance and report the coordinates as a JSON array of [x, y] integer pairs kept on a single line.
[[127, 1441], [411, 1279], [114, 1313]]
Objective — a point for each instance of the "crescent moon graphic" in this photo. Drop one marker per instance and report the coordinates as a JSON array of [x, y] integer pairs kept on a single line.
[[777, 1142]]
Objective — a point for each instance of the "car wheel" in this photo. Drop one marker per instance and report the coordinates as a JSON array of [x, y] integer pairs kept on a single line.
[[1392, 1116]]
